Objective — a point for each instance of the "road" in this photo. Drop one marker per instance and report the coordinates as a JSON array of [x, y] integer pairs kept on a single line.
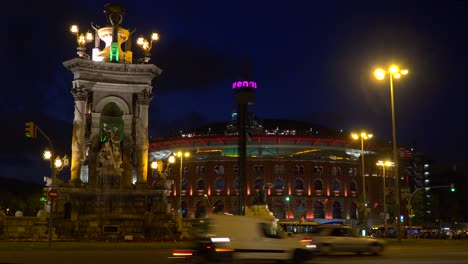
[[443, 252]]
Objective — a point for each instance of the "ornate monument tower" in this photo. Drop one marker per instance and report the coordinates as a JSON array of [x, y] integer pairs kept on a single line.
[[112, 96], [109, 185]]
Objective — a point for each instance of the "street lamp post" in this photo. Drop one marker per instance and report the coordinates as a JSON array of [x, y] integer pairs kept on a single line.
[[363, 136], [56, 166], [384, 164], [181, 156], [394, 72]]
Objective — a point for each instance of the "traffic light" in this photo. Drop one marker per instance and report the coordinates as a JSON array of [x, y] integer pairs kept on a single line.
[[452, 187], [43, 199], [287, 198], [30, 130]]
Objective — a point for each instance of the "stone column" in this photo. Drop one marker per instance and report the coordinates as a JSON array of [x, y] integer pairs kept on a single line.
[[78, 137], [142, 142], [127, 164]]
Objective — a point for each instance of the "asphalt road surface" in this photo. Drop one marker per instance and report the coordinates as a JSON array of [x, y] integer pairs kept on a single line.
[[445, 252]]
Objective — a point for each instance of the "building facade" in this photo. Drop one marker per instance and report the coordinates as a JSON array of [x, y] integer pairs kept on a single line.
[[298, 174]]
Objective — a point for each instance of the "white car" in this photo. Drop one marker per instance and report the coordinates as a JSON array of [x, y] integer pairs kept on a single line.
[[250, 238], [329, 239]]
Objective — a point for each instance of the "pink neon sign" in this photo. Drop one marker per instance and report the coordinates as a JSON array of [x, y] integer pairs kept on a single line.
[[244, 84]]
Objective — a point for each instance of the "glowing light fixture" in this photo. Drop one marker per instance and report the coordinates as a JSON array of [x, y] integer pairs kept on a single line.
[[81, 40]]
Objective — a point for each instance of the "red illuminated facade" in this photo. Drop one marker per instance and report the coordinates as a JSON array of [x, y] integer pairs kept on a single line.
[[303, 175]]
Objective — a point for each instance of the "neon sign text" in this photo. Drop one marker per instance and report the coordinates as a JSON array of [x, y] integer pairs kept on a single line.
[[244, 84]]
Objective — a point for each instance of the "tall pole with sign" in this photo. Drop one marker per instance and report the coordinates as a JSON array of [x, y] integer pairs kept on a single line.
[[245, 95]]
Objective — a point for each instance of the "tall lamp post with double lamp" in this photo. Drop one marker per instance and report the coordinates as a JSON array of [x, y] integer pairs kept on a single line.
[[384, 164], [363, 136], [181, 156], [56, 165], [394, 72]]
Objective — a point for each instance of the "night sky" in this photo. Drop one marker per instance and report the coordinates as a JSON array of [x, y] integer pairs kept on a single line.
[[312, 60]]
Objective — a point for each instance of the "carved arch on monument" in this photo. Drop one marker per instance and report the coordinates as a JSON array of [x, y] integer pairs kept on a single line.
[[112, 99]]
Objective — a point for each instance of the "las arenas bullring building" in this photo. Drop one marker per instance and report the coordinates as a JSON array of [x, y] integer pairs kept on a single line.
[[307, 172]]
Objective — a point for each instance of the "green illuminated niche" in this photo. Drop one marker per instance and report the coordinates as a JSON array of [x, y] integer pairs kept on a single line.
[[114, 52]]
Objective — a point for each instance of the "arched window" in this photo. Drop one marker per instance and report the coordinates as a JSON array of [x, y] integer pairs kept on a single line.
[[299, 184], [333, 171], [336, 187], [259, 183], [279, 209], [353, 186], [318, 210], [318, 186], [201, 185], [184, 184], [279, 184], [337, 210], [219, 184]]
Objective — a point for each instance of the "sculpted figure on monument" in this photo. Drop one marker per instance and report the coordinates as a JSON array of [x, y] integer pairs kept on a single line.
[[110, 156]]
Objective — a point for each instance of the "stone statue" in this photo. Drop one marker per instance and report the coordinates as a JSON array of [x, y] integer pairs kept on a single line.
[[110, 155]]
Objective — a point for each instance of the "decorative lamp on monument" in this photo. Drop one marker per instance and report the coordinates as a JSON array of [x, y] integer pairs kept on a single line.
[[81, 40], [146, 46]]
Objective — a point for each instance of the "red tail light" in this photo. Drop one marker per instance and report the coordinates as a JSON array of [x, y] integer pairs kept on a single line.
[[182, 252], [306, 240]]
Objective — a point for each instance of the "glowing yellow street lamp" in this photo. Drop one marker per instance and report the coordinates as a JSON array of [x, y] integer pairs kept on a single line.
[[363, 136], [146, 45], [394, 72], [181, 156], [81, 40]]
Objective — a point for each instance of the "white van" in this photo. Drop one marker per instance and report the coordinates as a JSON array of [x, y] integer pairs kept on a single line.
[[252, 238]]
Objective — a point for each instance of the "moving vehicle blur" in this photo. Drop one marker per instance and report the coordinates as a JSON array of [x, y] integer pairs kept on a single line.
[[330, 239], [244, 238]]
